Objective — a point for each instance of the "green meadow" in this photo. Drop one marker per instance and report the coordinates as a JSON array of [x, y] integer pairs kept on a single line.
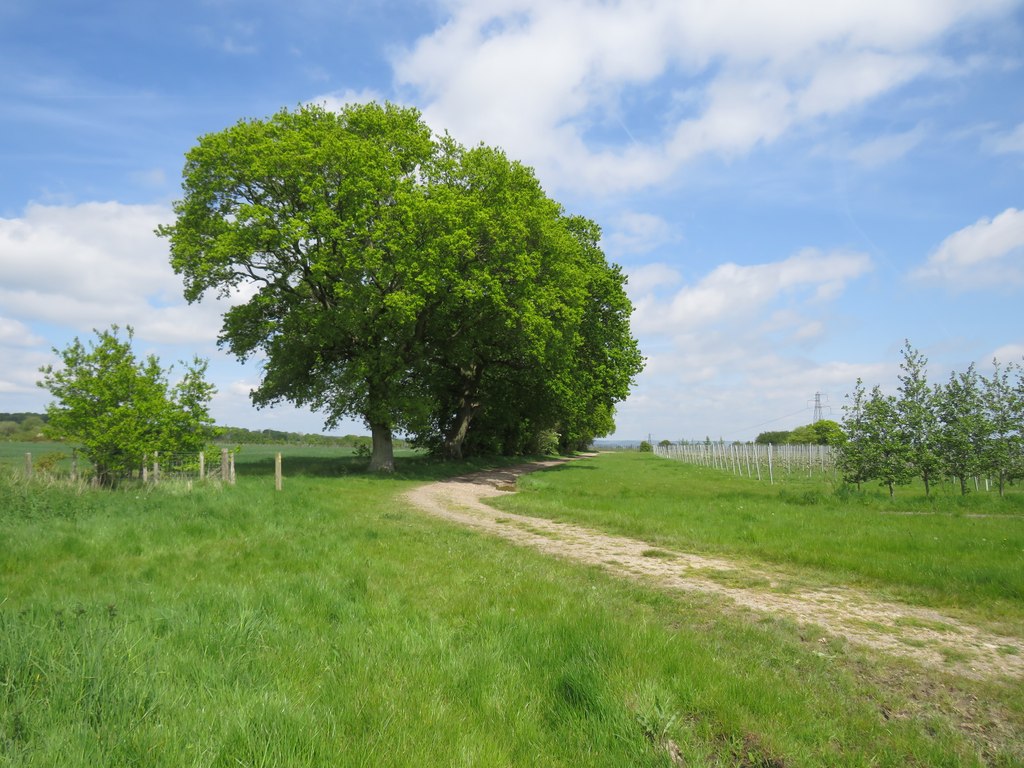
[[331, 625], [946, 551]]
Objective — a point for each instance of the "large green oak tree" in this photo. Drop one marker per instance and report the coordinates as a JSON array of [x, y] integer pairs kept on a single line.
[[396, 276]]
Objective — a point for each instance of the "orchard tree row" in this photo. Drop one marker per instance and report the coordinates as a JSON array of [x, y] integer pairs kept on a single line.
[[381, 272], [971, 426]]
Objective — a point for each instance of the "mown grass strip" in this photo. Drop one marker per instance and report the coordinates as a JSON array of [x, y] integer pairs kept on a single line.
[[948, 558]]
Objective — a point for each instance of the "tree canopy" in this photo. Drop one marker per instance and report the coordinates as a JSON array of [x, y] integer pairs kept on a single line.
[[404, 279], [118, 408], [821, 432], [970, 427]]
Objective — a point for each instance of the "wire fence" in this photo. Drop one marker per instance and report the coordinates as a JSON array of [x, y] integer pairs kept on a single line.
[[765, 462], [155, 467]]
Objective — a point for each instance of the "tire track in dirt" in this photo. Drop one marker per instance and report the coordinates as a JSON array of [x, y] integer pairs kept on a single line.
[[925, 635]]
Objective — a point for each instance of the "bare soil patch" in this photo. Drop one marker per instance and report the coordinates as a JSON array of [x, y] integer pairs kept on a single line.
[[924, 635]]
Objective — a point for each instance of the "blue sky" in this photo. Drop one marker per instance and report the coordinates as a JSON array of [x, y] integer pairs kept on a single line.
[[793, 187]]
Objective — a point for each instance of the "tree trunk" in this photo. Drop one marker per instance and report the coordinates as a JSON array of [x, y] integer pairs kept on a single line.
[[467, 409], [457, 434], [383, 457]]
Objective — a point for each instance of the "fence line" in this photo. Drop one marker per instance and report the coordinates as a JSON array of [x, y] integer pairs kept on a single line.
[[158, 466], [751, 459]]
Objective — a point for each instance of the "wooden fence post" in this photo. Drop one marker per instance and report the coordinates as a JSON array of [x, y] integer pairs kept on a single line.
[[28, 465], [277, 471], [223, 465], [145, 467], [231, 468], [156, 467], [202, 466]]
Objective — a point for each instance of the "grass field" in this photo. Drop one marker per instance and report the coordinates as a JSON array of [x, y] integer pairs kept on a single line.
[[330, 625], [946, 551]]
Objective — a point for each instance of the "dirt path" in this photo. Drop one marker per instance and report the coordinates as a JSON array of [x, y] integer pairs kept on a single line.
[[925, 635]]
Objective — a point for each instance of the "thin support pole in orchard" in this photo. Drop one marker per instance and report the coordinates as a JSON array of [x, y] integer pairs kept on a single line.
[[752, 459]]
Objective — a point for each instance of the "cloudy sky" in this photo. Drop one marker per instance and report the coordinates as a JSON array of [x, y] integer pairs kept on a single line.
[[794, 187]]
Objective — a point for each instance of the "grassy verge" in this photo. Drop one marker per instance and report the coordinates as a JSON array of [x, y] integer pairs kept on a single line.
[[944, 552], [328, 625]]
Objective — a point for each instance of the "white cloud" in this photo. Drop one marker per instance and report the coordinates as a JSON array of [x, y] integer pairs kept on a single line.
[[1009, 353], [92, 265], [1011, 142], [736, 386], [650, 278], [335, 100], [738, 330], [732, 292], [153, 177], [989, 252], [16, 334], [637, 233], [887, 149], [536, 76]]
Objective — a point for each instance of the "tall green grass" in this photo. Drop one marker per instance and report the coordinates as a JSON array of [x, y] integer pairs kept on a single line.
[[945, 551], [329, 625]]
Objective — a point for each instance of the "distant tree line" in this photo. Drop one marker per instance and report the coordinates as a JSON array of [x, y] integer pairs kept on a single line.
[[969, 427], [22, 427], [31, 427], [821, 432], [243, 436]]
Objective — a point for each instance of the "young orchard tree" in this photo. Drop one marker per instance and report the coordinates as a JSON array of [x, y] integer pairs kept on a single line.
[[855, 455], [119, 408], [874, 449], [888, 455], [1004, 406], [965, 428], [917, 416]]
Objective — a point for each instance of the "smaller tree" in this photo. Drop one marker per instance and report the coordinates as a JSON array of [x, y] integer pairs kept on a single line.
[[918, 419], [888, 455], [821, 432], [873, 448], [1001, 453], [829, 432], [777, 437], [964, 426], [119, 408]]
